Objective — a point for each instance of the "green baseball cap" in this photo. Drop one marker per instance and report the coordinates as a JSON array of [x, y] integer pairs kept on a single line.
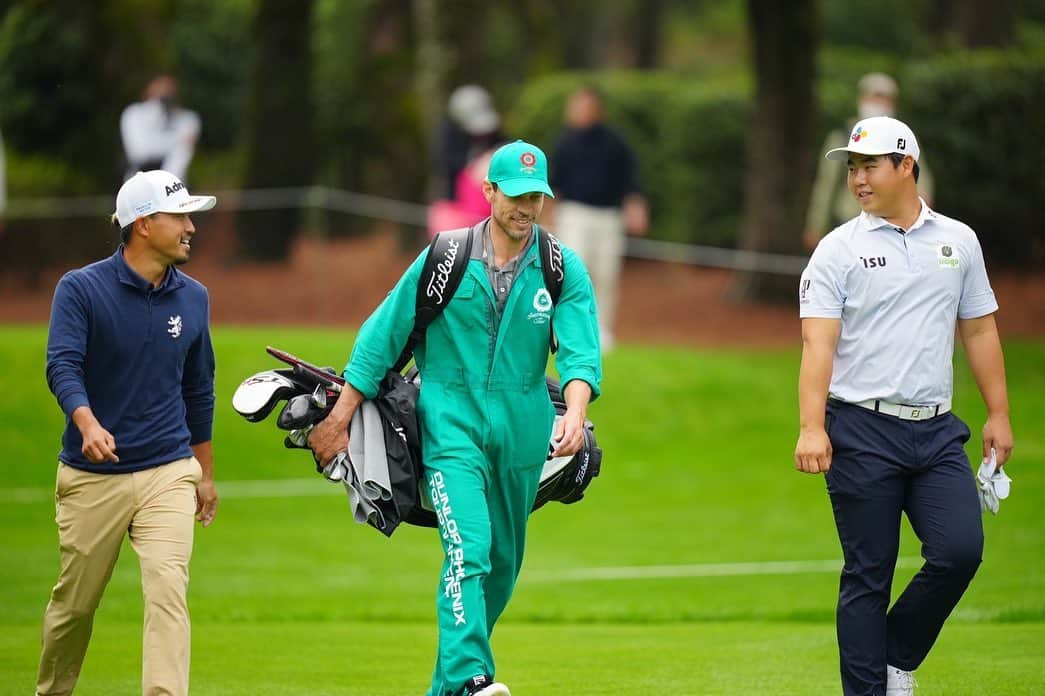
[[519, 168]]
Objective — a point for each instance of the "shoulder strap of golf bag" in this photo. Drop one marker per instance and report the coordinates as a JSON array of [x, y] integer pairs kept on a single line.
[[441, 274], [554, 272]]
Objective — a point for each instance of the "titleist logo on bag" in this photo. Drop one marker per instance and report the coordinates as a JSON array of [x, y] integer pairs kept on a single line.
[[555, 257], [441, 274]]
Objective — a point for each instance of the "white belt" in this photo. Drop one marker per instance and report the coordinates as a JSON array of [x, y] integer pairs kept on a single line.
[[903, 411]]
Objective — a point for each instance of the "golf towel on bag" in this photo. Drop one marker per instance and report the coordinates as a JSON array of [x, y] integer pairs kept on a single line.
[[381, 471], [367, 483]]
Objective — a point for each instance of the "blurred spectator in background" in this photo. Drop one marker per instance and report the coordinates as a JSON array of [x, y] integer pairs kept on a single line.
[[157, 133], [467, 137], [830, 203], [598, 198], [3, 185]]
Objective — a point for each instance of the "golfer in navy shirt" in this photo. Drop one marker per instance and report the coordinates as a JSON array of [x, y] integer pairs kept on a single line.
[[879, 302], [130, 361]]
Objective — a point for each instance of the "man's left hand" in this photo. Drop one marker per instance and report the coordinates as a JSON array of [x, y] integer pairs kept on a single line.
[[568, 435], [997, 433], [206, 501]]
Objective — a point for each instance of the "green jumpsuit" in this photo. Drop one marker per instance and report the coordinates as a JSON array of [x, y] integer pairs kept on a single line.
[[485, 421]]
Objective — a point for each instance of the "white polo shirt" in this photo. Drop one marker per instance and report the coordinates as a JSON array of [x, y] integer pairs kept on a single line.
[[898, 296]]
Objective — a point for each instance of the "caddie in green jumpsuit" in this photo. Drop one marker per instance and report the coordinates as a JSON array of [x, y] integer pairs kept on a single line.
[[486, 418]]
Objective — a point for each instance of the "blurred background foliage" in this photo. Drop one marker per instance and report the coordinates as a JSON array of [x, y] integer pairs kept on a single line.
[[347, 95]]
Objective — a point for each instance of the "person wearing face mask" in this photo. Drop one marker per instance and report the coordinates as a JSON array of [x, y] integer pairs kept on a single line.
[[830, 203], [157, 133]]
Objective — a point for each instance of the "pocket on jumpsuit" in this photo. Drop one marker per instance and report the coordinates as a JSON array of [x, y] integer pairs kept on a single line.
[[535, 440], [467, 311]]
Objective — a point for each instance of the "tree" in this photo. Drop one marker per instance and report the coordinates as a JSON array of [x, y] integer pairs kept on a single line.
[[69, 68], [780, 144], [647, 28], [985, 22], [279, 117]]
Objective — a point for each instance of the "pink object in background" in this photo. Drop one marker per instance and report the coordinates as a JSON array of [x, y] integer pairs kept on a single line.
[[469, 205]]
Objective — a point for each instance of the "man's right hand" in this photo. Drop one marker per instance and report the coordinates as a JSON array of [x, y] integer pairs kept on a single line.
[[813, 452], [98, 443], [328, 438]]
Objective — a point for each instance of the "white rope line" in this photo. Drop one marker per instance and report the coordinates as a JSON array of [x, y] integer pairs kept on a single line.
[[696, 570], [403, 212]]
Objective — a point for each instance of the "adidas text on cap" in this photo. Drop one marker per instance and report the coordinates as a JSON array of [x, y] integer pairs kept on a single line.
[[156, 191], [879, 135], [519, 168]]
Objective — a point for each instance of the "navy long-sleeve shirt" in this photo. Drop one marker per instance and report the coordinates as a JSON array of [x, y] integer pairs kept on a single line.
[[593, 166], [140, 357]]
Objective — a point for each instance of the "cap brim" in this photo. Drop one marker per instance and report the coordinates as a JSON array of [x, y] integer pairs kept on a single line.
[[193, 204], [522, 186], [841, 154]]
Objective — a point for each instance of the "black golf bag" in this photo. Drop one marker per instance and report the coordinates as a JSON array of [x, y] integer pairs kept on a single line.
[[309, 393]]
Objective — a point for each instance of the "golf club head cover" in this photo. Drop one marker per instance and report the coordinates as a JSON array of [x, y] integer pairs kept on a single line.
[[257, 395], [301, 411]]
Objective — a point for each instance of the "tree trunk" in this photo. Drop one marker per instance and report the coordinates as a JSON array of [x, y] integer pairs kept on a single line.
[[985, 22], [780, 145], [430, 73], [280, 142], [648, 32]]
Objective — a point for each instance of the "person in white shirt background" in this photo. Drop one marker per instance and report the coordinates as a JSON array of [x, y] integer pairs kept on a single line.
[[157, 133]]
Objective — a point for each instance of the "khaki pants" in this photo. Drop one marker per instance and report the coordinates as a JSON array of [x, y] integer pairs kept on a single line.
[[155, 508], [597, 235]]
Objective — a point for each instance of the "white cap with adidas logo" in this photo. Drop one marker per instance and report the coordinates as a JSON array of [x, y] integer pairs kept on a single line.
[[156, 191]]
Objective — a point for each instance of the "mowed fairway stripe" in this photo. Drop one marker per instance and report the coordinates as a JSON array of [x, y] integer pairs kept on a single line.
[[698, 570], [272, 488]]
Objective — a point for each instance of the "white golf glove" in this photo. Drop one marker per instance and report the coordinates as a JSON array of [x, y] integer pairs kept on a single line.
[[993, 483]]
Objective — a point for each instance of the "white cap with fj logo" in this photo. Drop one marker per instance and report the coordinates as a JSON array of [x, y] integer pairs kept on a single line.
[[157, 191], [879, 135]]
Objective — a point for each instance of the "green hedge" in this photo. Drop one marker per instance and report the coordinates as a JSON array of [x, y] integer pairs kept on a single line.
[[977, 115], [29, 245], [689, 137], [689, 134]]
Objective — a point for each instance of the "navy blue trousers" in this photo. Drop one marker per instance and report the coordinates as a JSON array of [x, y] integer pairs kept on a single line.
[[883, 466]]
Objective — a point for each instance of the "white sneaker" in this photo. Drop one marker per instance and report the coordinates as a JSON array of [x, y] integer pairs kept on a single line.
[[482, 686], [899, 682]]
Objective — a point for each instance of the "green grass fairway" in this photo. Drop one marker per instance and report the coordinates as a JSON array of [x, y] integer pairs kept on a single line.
[[700, 562]]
